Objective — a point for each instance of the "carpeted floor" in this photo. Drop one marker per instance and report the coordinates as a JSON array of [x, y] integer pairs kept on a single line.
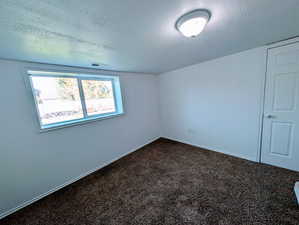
[[171, 183]]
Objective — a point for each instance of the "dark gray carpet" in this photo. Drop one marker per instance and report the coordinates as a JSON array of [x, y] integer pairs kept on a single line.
[[172, 183]]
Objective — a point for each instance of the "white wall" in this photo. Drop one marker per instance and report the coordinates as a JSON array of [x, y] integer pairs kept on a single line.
[[216, 104], [33, 163]]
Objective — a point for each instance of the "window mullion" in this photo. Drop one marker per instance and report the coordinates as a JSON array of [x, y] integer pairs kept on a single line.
[[82, 98], [114, 97]]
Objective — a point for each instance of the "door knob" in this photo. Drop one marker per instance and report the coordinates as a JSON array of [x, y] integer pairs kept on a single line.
[[270, 116]]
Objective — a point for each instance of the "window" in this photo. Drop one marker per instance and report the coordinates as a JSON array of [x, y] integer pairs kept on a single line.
[[64, 99], [99, 97]]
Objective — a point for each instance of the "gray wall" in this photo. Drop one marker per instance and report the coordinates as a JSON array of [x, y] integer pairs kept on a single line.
[[33, 163], [217, 104]]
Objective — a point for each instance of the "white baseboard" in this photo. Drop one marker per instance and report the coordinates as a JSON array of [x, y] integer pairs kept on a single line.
[[296, 189], [26, 203], [210, 149]]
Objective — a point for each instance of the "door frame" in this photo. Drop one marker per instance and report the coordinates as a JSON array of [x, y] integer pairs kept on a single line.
[[263, 92]]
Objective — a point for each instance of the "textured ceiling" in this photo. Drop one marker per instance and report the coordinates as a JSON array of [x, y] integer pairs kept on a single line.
[[138, 35]]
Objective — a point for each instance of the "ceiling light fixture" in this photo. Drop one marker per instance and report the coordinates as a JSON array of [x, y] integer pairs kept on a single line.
[[192, 24]]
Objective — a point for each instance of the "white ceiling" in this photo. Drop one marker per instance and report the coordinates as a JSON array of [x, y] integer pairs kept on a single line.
[[138, 35]]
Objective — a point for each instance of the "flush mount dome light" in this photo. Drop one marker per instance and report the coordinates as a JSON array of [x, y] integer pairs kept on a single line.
[[192, 24]]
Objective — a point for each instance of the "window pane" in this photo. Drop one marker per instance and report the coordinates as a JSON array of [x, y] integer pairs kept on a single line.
[[99, 97], [57, 98]]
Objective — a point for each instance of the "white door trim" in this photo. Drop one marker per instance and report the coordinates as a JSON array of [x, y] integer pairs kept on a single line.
[[262, 110], [283, 43]]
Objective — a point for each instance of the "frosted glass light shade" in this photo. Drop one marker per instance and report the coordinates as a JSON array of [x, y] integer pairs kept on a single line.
[[193, 23]]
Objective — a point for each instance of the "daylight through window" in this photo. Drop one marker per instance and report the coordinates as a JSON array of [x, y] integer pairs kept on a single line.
[[63, 99]]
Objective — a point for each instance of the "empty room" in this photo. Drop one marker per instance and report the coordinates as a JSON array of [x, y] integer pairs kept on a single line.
[[149, 112]]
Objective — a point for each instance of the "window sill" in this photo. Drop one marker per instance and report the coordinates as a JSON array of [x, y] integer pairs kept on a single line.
[[47, 128]]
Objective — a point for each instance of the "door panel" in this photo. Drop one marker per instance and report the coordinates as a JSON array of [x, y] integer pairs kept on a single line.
[[287, 57], [280, 143], [284, 92], [281, 137]]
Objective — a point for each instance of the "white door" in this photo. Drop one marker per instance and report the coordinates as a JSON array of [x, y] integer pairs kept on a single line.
[[280, 143]]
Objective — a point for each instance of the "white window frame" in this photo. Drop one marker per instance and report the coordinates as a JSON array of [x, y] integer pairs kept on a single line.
[[79, 76]]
